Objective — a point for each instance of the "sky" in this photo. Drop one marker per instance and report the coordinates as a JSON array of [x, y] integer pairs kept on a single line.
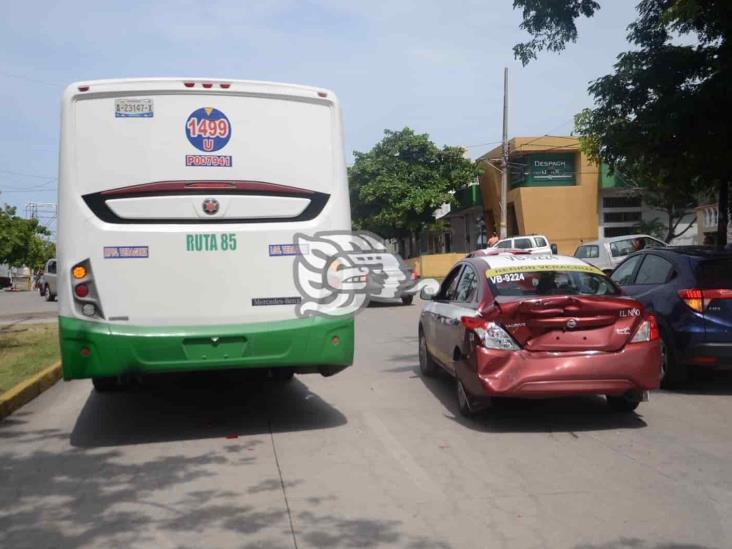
[[432, 65]]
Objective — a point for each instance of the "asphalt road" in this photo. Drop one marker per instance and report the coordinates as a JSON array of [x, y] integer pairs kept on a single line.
[[26, 307], [373, 457]]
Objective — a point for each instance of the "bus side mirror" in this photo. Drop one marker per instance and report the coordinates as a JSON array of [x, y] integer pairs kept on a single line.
[[554, 248]]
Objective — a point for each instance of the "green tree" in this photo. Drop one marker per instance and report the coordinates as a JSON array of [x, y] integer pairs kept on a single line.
[[21, 242], [402, 180], [660, 190], [663, 113]]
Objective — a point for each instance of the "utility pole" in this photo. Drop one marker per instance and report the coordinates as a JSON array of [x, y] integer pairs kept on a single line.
[[504, 174]]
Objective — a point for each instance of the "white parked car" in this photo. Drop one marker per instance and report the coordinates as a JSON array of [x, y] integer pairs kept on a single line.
[[607, 253], [532, 243], [48, 281]]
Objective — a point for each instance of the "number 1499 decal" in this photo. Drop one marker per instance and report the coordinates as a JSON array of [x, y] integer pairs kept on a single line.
[[208, 128]]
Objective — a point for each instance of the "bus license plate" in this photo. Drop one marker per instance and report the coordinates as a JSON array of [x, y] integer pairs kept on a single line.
[[133, 108]]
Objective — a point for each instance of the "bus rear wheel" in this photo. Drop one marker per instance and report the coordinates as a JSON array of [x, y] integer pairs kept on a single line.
[[282, 375], [105, 384]]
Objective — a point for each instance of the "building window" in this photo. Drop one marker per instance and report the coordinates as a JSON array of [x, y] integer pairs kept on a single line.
[[622, 217], [621, 202], [618, 231]]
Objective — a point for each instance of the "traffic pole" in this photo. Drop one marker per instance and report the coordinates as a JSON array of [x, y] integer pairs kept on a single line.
[[504, 173]]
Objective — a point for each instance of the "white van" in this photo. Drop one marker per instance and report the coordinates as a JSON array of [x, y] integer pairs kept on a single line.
[[178, 202]]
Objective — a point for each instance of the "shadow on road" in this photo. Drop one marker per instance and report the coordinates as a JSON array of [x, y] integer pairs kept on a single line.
[[635, 543], [708, 382], [200, 406], [386, 304], [194, 495], [572, 414]]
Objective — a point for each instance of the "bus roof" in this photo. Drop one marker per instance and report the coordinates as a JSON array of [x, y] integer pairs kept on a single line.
[[197, 85]]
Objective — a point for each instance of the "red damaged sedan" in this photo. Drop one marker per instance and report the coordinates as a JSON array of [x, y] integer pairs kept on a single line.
[[528, 326]]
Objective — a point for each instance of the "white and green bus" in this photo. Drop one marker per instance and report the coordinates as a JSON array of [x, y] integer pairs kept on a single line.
[[178, 202]]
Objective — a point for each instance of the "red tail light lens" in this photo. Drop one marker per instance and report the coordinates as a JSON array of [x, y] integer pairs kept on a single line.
[[693, 299], [655, 334], [473, 322], [647, 331], [81, 290], [699, 300]]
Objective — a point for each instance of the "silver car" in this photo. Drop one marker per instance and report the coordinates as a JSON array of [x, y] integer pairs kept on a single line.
[[607, 253], [47, 286]]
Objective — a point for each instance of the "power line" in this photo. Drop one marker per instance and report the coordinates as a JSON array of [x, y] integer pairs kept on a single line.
[[481, 144], [26, 174]]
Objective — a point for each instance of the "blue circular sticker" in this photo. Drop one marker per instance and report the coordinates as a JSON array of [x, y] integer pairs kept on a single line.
[[208, 129]]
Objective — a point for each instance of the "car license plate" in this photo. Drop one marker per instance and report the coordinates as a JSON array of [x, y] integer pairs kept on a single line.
[[133, 108]]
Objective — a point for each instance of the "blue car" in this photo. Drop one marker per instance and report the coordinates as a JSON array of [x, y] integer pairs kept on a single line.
[[689, 289]]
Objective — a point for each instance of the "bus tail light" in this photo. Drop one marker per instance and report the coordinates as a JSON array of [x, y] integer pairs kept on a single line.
[[86, 297], [81, 290]]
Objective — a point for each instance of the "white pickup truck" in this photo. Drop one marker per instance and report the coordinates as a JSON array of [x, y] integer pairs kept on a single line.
[[48, 281], [532, 243]]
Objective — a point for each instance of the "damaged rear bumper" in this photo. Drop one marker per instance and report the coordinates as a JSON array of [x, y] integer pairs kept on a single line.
[[553, 374]]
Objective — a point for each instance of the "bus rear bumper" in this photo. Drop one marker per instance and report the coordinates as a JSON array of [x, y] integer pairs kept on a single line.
[[95, 349]]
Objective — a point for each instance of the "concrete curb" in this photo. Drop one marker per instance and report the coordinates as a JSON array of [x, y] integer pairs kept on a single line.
[[29, 389]]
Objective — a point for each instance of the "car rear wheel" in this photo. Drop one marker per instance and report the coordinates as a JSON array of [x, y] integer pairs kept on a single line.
[[48, 294], [673, 372], [407, 299], [427, 365], [624, 403], [42, 290], [466, 406]]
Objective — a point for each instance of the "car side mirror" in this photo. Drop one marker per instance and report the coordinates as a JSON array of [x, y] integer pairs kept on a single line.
[[554, 248], [425, 295]]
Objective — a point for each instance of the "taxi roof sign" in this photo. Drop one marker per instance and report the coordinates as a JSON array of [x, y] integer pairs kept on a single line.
[[507, 263]]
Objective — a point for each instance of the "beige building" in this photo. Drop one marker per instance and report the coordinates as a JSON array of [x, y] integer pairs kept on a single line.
[[553, 190]]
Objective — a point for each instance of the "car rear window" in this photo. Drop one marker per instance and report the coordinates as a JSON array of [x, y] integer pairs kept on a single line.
[[541, 241], [716, 273], [550, 282], [622, 248], [587, 252], [522, 243]]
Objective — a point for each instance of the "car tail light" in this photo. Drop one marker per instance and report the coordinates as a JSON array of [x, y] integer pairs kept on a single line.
[[490, 334], [698, 300], [414, 276], [647, 331]]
